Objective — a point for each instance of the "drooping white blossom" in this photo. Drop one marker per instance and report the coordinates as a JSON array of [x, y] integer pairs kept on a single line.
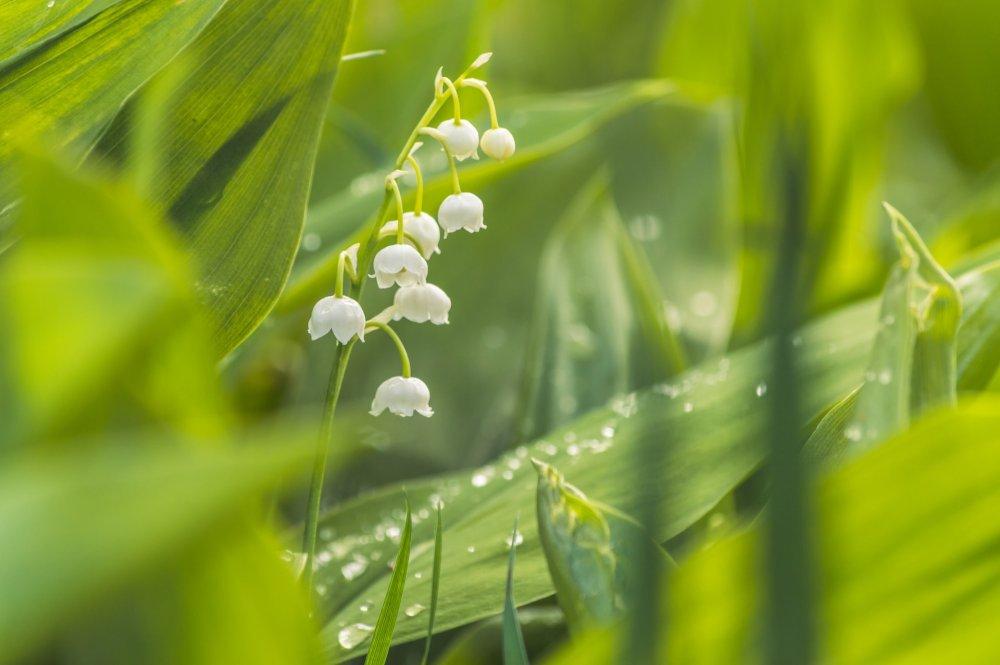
[[462, 138], [461, 211], [402, 396], [423, 228], [342, 316], [420, 303], [498, 143], [399, 264]]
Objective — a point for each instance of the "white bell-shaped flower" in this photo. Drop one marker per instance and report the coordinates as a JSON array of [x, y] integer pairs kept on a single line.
[[461, 211], [399, 264], [498, 143], [342, 316], [462, 138], [420, 303], [423, 228], [402, 396]]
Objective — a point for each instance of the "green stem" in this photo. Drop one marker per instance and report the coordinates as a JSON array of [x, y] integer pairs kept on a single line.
[[399, 211], [338, 289], [455, 104], [481, 87], [343, 355], [418, 198], [404, 359]]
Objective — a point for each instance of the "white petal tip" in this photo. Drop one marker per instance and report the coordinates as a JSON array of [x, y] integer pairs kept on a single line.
[[482, 60]]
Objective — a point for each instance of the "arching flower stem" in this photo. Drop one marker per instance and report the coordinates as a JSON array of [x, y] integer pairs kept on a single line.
[[456, 105], [481, 87], [404, 359], [418, 198], [456, 185], [391, 183]]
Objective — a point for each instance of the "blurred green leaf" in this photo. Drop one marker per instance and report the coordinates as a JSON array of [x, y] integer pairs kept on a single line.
[[589, 551], [675, 181], [514, 652], [78, 527], [592, 338], [237, 148], [898, 585], [482, 644], [714, 416], [65, 91], [98, 320]]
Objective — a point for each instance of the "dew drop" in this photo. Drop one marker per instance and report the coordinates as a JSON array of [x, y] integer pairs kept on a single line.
[[479, 480], [364, 608], [507, 475], [418, 576], [353, 635], [414, 609], [353, 569], [688, 407], [853, 432], [471, 549], [761, 389], [573, 450], [607, 431], [885, 377], [515, 540], [311, 242], [704, 304]]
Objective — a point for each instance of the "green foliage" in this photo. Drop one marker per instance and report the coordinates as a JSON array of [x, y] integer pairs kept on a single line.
[[435, 586], [885, 573], [378, 651], [514, 652], [589, 549]]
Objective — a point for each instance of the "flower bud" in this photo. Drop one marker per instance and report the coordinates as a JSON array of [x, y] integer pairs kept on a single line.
[[461, 138], [399, 264], [498, 143], [402, 396], [423, 228], [420, 303], [342, 316], [461, 211]]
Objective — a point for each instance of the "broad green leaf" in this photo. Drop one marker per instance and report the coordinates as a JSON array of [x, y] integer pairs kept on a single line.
[[119, 329], [514, 652], [482, 644], [382, 636], [238, 145], [593, 338], [24, 23], [589, 549], [912, 363], [907, 564], [714, 415], [76, 527], [544, 125], [435, 586], [65, 92]]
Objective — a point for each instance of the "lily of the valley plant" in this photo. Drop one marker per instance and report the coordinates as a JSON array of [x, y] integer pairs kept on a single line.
[[397, 250]]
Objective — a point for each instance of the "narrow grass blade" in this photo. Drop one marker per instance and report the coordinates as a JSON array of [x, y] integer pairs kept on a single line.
[[514, 652], [435, 585], [386, 624]]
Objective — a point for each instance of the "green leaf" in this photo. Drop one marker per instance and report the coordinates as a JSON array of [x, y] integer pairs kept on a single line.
[[435, 586], [915, 585], [714, 415], [24, 23], [386, 624], [65, 91], [544, 125], [589, 549], [100, 259], [238, 146], [141, 501], [482, 644], [912, 363], [514, 652], [593, 339]]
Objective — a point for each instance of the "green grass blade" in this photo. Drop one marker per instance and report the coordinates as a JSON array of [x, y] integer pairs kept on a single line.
[[435, 586], [386, 624], [514, 652]]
